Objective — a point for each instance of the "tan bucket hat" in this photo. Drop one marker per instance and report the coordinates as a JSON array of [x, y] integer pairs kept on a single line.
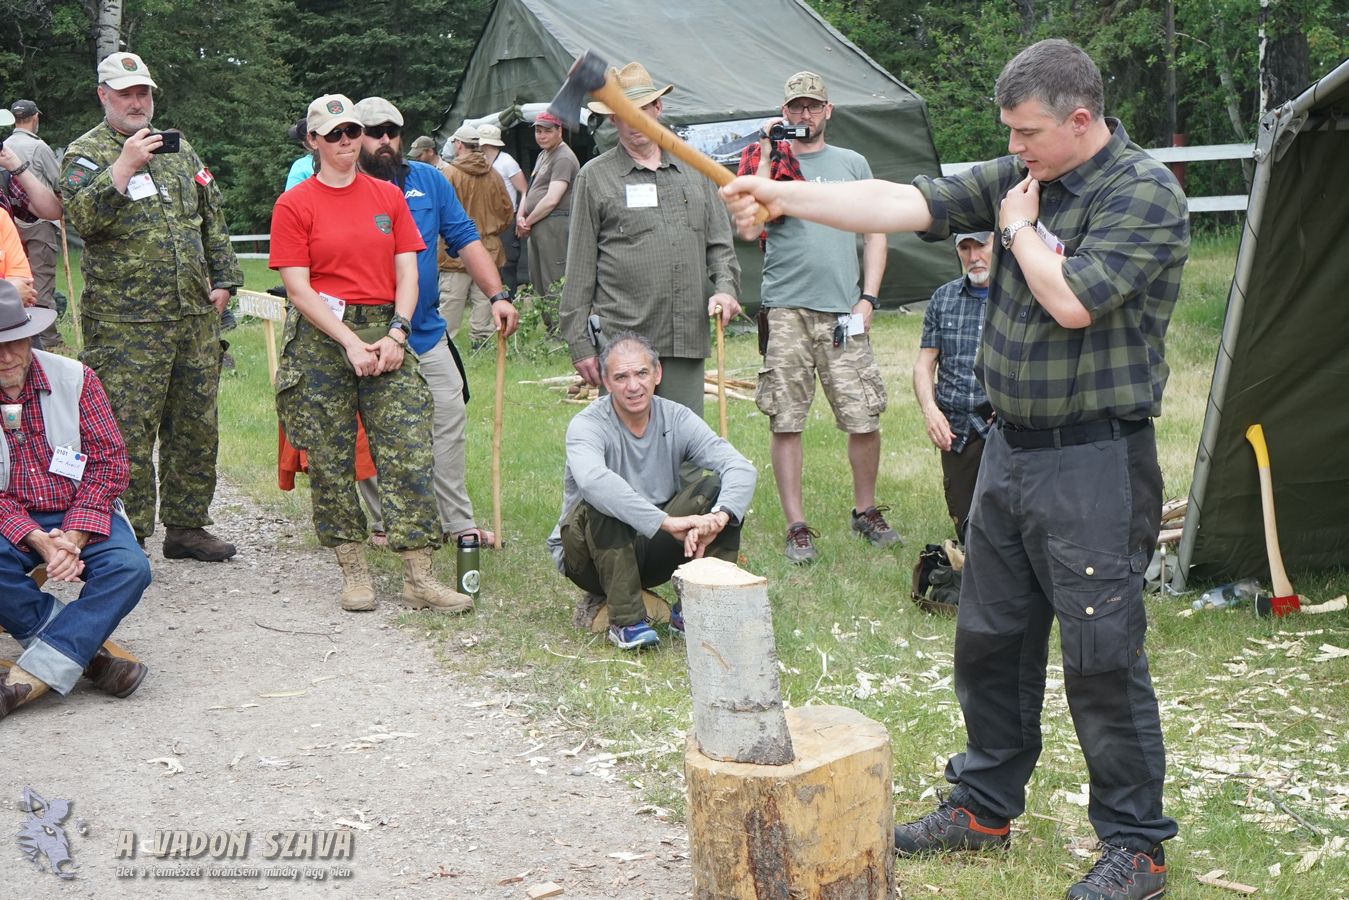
[[637, 86], [490, 134]]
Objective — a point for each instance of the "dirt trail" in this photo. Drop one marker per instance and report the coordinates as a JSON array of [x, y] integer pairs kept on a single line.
[[450, 791]]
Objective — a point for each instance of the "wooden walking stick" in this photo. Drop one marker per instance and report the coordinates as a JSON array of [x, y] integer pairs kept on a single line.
[[496, 439], [721, 371], [70, 289]]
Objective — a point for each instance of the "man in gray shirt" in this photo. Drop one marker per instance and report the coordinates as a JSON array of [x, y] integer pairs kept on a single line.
[[40, 237], [627, 520]]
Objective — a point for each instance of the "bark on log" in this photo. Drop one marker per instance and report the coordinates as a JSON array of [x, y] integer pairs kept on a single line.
[[820, 827], [733, 663]]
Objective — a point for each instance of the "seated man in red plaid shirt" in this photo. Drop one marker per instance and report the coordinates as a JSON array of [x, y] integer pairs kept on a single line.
[[62, 467]]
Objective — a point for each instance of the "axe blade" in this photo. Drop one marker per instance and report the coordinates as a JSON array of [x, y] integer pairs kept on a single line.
[[585, 75]]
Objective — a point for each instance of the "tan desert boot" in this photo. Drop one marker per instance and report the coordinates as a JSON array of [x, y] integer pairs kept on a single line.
[[358, 592], [422, 591]]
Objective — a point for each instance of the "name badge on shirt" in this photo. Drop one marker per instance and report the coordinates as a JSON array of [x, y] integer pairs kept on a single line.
[[336, 304], [1051, 241], [140, 186], [641, 195], [67, 462]]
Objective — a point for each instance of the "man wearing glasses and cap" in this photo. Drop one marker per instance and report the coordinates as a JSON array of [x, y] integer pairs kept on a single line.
[[40, 236], [649, 251], [158, 272], [956, 412]]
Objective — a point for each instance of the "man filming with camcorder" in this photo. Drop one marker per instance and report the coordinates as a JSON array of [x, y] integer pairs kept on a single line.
[[815, 317]]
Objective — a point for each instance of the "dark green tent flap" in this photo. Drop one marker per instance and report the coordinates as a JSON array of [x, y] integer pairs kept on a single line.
[[1284, 357], [728, 62]]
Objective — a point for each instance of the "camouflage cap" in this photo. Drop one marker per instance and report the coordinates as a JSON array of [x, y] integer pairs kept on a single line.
[[805, 84], [377, 111], [329, 111], [124, 70]]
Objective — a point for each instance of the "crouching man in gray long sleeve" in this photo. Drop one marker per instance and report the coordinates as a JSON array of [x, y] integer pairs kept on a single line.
[[627, 520]]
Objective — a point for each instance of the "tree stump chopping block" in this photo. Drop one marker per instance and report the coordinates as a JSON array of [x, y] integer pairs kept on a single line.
[[820, 827]]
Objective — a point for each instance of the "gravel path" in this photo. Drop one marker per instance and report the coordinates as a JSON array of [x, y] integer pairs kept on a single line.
[[318, 719]]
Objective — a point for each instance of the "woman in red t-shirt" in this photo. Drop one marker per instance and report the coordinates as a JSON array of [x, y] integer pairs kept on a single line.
[[346, 248]]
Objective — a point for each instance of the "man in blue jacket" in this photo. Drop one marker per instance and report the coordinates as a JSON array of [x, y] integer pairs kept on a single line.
[[438, 214]]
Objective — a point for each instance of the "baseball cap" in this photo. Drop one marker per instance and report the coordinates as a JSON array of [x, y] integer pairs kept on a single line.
[[547, 120], [805, 84], [425, 142], [980, 236], [377, 111], [329, 111], [124, 70], [490, 134], [466, 134], [24, 109]]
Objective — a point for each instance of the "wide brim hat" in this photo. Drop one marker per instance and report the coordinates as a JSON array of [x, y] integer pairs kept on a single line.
[[18, 321], [490, 134], [124, 70], [329, 111], [636, 84]]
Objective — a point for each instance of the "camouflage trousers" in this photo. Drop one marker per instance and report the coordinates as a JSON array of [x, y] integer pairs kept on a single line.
[[317, 398], [161, 378]]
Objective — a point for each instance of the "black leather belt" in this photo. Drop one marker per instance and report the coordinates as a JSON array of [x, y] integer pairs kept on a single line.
[[1071, 435]]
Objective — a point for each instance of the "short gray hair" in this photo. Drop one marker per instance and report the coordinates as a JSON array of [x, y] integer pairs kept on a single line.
[[627, 339], [1058, 74]]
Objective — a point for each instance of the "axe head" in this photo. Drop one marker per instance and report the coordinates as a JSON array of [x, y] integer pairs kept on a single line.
[[586, 74]]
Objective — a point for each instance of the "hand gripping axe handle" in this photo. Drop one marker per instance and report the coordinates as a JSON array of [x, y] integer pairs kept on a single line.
[[1284, 601], [589, 75]]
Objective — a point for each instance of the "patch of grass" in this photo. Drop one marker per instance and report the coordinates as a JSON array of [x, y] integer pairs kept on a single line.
[[1251, 722]]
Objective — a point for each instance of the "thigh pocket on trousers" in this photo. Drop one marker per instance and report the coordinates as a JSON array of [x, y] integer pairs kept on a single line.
[[873, 391], [1093, 596], [768, 392]]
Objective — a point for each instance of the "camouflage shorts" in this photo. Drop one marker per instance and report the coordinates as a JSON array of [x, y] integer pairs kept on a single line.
[[800, 345]]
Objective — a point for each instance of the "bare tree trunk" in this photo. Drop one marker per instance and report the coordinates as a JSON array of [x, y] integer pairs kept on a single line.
[[1234, 116], [1170, 124], [1027, 8], [1284, 66], [107, 28]]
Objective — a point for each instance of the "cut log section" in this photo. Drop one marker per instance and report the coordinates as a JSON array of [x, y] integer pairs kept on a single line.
[[733, 663], [820, 827]]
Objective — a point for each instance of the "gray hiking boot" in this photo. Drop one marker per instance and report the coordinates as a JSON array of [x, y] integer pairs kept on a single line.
[[950, 827], [801, 543], [1123, 874], [871, 524]]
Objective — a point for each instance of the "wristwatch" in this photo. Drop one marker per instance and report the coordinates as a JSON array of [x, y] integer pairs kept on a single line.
[[873, 300], [730, 516], [503, 294], [401, 324], [15, 173], [1010, 231]]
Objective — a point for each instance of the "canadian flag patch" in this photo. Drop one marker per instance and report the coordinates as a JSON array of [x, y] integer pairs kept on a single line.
[[204, 176]]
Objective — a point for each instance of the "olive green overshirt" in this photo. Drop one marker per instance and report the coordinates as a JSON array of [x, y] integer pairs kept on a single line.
[[150, 260]]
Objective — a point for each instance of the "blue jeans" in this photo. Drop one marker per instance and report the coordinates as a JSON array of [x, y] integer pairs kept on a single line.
[[59, 639]]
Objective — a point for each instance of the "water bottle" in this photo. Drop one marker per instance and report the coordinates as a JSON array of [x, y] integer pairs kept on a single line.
[[1228, 595], [470, 577]]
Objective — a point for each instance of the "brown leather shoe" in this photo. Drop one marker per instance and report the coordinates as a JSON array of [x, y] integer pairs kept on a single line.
[[114, 675], [195, 543], [12, 697]]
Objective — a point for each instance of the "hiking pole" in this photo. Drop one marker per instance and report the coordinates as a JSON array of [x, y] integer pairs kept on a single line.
[[70, 288], [496, 439], [721, 371]]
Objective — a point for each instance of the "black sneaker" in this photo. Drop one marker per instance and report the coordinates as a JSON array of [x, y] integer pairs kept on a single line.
[[1122, 874], [950, 827], [870, 523]]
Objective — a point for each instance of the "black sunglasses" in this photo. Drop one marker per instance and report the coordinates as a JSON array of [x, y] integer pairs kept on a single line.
[[379, 131], [351, 130]]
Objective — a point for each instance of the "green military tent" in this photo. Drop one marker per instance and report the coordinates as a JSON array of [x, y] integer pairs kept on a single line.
[[728, 62], [1283, 360]]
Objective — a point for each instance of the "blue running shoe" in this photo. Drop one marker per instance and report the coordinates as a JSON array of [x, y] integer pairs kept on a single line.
[[633, 637], [677, 618]]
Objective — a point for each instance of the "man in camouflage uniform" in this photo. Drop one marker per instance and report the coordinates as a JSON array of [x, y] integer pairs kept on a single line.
[[158, 271]]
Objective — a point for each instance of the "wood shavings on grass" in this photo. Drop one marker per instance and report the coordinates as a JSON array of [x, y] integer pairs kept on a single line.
[[1216, 879]]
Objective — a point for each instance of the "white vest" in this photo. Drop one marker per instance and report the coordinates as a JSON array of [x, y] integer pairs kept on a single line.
[[60, 407]]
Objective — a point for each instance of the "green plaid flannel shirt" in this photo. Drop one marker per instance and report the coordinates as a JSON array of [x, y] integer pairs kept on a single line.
[[1123, 221]]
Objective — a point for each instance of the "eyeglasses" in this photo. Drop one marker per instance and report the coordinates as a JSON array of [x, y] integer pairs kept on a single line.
[[379, 131], [351, 130], [814, 107]]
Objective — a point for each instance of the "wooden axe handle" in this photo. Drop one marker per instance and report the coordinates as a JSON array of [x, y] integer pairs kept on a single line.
[[498, 403], [613, 97], [721, 372], [1277, 576]]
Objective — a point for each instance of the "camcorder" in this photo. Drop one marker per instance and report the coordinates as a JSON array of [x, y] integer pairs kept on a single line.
[[781, 131], [172, 142]]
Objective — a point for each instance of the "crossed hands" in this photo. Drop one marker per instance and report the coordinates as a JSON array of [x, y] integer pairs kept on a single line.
[[695, 531], [384, 355], [60, 550]]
